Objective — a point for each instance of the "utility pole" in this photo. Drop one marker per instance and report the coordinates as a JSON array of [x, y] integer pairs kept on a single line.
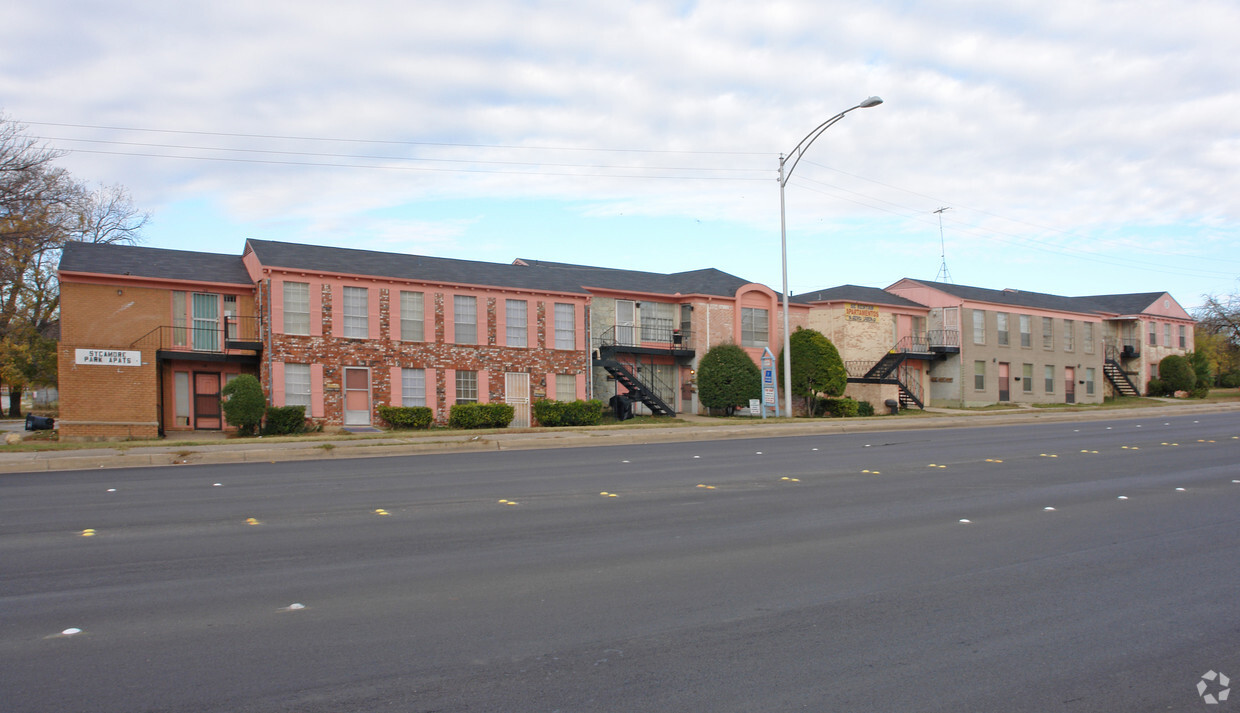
[[943, 273]]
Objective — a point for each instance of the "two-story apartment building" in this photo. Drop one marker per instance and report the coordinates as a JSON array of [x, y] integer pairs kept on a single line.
[[1139, 331]]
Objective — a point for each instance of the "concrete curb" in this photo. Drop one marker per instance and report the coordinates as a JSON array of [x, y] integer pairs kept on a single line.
[[254, 452]]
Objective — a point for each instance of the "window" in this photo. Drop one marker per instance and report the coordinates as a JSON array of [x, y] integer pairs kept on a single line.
[[1153, 334], [658, 320], [1154, 371], [755, 327], [179, 310], [465, 319], [297, 385], [565, 387], [1026, 379], [356, 313], [180, 384], [1089, 381], [1089, 337], [412, 317], [565, 326], [466, 386], [1069, 338], [1167, 334], [296, 308], [1002, 318], [516, 319], [413, 387], [206, 321], [1183, 337], [1026, 330], [979, 374], [1048, 333], [979, 326], [1050, 379]]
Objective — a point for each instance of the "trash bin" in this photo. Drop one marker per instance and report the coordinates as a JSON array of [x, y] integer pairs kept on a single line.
[[39, 423], [622, 407], [893, 406]]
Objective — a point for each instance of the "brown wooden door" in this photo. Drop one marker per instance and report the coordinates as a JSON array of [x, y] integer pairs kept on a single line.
[[207, 401]]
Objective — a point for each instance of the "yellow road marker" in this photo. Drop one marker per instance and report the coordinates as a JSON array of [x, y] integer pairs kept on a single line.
[[88, 532], [252, 521], [381, 511]]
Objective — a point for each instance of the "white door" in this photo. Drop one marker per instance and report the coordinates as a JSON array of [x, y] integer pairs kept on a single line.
[[626, 320], [356, 396], [517, 395]]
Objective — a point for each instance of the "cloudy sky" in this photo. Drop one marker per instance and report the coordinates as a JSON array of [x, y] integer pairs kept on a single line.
[[1081, 146]]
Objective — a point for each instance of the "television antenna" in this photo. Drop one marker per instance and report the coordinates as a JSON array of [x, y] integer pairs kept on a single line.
[[943, 272]]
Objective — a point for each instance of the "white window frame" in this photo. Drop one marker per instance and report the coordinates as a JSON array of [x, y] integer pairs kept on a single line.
[[565, 326], [979, 375], [753, 335], [565, 387], [465, 319], [412, 387], [517, 323], [412, 316], [297, 385], [1026, 331], [297, 308], [355, 308], [466, 386], [1002, 324], [979, 326], [1048, 333], [1069, 336], [1048, 372]]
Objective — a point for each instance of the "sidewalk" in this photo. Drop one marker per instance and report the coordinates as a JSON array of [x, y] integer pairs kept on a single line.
[[700, 428]]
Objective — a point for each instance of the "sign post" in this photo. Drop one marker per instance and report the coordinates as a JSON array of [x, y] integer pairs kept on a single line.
[[770, 398]]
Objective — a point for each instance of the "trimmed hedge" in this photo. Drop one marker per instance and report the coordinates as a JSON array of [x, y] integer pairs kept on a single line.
[[838, 408], [285, 419], [244, 404], [480, 415], [568, 413], [865, 408], [401, 417]]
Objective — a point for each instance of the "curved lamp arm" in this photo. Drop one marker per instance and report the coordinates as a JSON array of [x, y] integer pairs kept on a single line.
[[799, 150]]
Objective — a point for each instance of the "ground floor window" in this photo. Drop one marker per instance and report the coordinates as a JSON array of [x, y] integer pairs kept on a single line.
[[1050, 379], [565, 387], [1089, 381], [180, 387], [413, 387], [466, 387], [979, 374], [1026, 378], [297, 385]]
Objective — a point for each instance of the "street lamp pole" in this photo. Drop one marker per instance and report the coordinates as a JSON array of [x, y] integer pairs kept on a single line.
[[785, 172]]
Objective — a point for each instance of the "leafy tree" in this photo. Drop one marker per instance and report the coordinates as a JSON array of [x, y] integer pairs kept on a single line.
[[1176, 374], [1201, 367], [244, 404], [42, 207], [727, 378], [816, 367]]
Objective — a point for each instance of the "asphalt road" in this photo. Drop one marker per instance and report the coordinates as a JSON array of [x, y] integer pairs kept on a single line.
[[748, 575]]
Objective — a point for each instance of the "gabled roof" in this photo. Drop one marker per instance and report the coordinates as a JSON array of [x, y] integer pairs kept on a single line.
[[1135, 303], [708, 281], [156, 263], [1014, 298], [855, 293], [370, 263]]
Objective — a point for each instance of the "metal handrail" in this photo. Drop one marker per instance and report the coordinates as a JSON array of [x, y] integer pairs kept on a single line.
[[636, 336], [202, 339]]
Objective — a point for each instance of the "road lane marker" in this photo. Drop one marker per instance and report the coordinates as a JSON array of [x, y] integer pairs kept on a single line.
[[965, 522], [295, 606], [88, 532], [381, 511], [1122, 497], [111, 490], [1049, 509], [708, 487], [252, 521], [1181, 490]]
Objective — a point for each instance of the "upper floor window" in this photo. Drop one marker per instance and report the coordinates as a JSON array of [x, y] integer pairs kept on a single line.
[[412, 317], [356, 313], [1167, 334], [565, 326], [658, 320], [465, 319], [516, 320], [1153, 334], [1069, 336], [1048, 333], [1026, 330], [1089, 337], [979, 326], [297, 308], [755, 327], [1002, 319], [1183, 337]]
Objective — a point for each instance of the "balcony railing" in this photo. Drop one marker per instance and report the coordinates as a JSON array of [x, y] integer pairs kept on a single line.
[[658, 337], [1117, 348], [238, 334]]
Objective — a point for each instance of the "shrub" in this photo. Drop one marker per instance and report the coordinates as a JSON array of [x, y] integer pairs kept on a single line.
[[1200, 391], [816, 367], [1230, 380], [1176, 374], [1156, 388], [285, 419], [244, 404], [865, 408], [728, 378], [497, 415], [568, 413], [401, 417], [839, 408]]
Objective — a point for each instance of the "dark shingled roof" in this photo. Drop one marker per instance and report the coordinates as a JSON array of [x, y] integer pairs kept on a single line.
[[707, 281], [855, 293], [1135, 303], [295, 256], [1015, 298], [137, 261]]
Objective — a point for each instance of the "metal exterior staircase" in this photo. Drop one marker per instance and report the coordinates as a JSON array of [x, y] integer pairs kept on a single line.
[[637, 388], [1119, 378]]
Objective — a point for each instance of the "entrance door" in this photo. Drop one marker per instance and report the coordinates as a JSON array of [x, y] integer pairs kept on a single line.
[[517, 395], [1069, 387], [356, 396], [207, 415], [1004, 394], [626, 318]]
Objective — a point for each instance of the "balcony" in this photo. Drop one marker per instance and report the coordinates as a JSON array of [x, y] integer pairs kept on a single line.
[[1117, 349], [239, 340], [647, 339]]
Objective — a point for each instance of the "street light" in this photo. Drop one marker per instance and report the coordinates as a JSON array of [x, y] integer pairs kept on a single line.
[[784, 174]]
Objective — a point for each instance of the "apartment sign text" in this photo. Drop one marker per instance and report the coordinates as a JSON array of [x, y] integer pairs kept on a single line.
[[860, 313], [108, 357]]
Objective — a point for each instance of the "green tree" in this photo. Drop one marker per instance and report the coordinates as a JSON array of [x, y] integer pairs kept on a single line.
[[816, 367], [1176, 374], [727, 378], [244, 404], [1200, 363]]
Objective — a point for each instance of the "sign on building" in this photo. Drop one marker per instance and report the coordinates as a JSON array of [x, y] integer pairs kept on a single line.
[[108, 357], [860, 313]]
